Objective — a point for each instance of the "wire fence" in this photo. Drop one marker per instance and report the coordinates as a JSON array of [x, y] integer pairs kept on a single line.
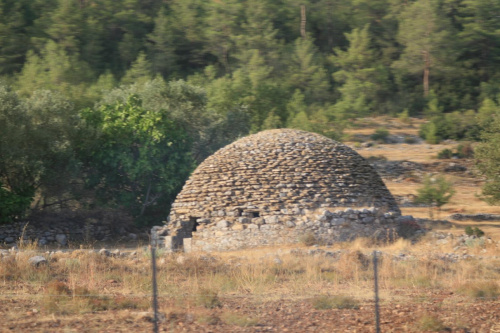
[[367, 303]]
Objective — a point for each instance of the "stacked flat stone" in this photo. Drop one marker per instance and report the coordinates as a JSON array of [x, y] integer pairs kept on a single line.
[[280, 173]]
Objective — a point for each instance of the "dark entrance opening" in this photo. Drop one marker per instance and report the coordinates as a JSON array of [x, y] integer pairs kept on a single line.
[[193, 223], [255, 214]]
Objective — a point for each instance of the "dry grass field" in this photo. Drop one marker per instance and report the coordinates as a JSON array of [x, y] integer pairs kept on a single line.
[[425, 286]]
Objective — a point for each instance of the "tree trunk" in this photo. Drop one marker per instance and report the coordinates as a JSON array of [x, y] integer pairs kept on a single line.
[[145, 203], [303, 21], [427, 65]]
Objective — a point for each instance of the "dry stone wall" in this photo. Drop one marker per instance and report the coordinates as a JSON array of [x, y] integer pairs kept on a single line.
[[60, 233], [325, 227], [270, 179]]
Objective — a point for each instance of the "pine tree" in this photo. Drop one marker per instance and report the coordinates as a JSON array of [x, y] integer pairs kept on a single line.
[[427, 40], [487, 154], [222, 25], [66, 25], [480, 37], [54, 70], [14, 39], [306, 72], [140, 71], [359, 74], [162, 47]]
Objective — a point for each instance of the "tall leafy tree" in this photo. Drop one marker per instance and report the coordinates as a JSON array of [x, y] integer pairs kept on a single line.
[[36, 146], [136, 158]]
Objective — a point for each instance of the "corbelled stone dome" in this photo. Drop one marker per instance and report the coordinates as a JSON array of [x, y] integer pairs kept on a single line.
[[272, 188], [282, 169]]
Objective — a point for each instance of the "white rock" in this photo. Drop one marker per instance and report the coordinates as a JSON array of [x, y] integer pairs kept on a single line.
[[37, 261]]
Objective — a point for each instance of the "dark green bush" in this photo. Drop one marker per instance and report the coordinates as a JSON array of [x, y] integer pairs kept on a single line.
[[478, 232], [380, 134], [469, 231], [465, 150], [455, 125], [445, 153], [13, 205]]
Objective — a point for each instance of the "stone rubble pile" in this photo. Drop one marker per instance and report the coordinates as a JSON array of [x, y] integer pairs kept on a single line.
[[475, 217], [395, 169]]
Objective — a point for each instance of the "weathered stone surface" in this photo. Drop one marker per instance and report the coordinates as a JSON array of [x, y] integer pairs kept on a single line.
[[278, 178], [61, 239], [37, 261]]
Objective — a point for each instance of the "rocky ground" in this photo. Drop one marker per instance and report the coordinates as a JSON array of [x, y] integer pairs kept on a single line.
[[453, 314]]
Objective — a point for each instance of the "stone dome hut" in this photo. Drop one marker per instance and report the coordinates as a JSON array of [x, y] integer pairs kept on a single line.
[[273, 188]]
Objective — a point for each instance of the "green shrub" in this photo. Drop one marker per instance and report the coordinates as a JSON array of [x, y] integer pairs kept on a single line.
[[325, 302], [404, 117], [482, 290], [13, 205], [430, 322], [436, 192], [237, 319], [410, 140], [380, 134], [469, 231], [445, 154], [478, 232], [455, 125], [465, 150], [208, 298]]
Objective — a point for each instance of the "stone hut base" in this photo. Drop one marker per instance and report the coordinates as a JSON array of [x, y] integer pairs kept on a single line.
[[322, 227]]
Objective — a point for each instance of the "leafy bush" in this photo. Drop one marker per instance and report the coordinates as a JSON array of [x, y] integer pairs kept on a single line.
[[463, 150], [454, 125], [445, 154], [380, 135], [12, 205]]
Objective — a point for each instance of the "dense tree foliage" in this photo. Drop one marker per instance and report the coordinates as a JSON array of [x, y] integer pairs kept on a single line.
[[216, 70]]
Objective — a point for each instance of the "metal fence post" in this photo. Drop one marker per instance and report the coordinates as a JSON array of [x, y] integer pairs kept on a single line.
[[375, 275], [155, 289]]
